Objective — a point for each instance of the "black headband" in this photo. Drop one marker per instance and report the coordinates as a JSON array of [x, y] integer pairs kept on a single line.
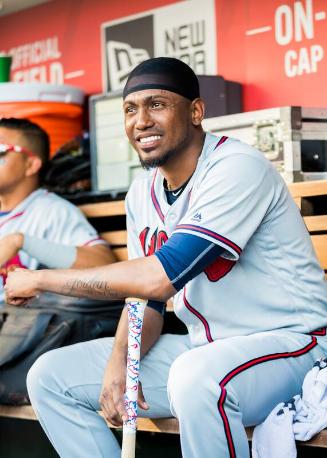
[[165, 73]]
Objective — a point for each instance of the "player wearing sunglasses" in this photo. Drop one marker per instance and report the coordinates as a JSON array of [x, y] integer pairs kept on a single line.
[[38, 227], [5, 148]]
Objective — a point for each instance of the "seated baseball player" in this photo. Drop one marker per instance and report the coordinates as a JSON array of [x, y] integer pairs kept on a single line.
[[211, 224], [38, 227]]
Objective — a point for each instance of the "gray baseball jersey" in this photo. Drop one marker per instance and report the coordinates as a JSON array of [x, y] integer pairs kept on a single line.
[[268, 277], [45, 215]]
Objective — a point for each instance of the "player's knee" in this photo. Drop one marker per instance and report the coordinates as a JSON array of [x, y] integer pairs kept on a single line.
[[192, 383], [187, 386], [40, 377]]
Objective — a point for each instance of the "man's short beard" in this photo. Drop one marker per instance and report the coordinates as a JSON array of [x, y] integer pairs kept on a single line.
[[160, 161]]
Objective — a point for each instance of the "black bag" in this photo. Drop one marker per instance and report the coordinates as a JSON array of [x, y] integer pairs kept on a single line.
[[49, 322]]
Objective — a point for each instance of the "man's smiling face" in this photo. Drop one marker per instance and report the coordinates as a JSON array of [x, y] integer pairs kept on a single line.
[[158, 124]]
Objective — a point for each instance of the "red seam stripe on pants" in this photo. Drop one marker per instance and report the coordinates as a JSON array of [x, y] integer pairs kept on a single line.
[[240, 369], [198, 315]]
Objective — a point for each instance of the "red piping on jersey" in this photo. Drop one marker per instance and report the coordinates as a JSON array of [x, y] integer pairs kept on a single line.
[[216, 236], [241, 368], [221, 141], [318, 332], [198, 315], [10, 218], [94, 240], [155, 200]]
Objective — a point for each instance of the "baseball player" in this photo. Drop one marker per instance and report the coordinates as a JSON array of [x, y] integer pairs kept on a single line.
[[38, 227], [212, 224]]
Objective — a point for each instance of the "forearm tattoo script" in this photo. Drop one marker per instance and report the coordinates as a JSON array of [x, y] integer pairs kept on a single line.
[[91, 288]]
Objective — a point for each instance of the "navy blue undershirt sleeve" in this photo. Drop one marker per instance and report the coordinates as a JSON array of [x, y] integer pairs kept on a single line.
[[184, 256], [158, 306]]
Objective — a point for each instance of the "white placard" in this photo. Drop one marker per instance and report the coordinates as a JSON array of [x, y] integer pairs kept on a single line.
[[185, 30]]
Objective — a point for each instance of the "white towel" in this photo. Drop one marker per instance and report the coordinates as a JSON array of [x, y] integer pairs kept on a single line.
[[298, 419], [311, 409], [274, 438]]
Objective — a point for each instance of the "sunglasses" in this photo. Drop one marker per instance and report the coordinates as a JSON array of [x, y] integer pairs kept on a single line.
[[6, 148]]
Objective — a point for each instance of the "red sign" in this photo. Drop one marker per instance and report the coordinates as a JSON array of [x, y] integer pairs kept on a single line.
[[276, 48], [278, 52], [60, 41]]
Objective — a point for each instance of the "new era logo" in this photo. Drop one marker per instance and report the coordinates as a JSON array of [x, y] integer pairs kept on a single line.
[[122, 58], [197, 217], [126, 44]]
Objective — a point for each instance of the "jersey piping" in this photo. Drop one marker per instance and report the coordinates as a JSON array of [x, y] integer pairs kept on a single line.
[[199, 316], [95, 239], [243, 367], [10, 218], [221, 141], [319, 332], [155, 200]]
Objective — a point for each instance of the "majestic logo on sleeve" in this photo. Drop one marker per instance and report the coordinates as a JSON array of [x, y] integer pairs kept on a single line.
[[150, 245], [219, 268], [197, 217]]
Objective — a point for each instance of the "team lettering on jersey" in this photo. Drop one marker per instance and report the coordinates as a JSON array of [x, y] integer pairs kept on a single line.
[[219, 268], [214, 272], [158, 238]]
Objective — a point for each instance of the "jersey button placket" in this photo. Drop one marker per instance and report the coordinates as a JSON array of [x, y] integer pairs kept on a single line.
[[171, 221]]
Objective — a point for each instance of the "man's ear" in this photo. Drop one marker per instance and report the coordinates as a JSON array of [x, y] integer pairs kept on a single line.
[[198, 108], [34, 165]]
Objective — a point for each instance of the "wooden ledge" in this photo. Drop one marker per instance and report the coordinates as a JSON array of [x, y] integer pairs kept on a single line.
[[308, 188], [20, 412], [96, 210], [156, 425]]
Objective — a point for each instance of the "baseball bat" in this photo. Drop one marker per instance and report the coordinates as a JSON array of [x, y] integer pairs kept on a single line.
[[135, 310]]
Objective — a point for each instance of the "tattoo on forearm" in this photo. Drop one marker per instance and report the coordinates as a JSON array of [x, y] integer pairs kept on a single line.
[[89, 288]]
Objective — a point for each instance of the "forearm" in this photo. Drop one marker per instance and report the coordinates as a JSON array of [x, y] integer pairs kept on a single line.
[[142, 277], [93, 256]]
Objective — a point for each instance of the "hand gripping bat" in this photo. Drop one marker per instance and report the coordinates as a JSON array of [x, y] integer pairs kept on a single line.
[[135, 310]]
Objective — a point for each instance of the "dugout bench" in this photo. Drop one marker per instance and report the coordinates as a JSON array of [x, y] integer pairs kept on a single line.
[[109, 218]]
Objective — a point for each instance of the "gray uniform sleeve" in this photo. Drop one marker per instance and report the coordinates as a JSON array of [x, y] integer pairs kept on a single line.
[[68, 225], [230, 203]]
